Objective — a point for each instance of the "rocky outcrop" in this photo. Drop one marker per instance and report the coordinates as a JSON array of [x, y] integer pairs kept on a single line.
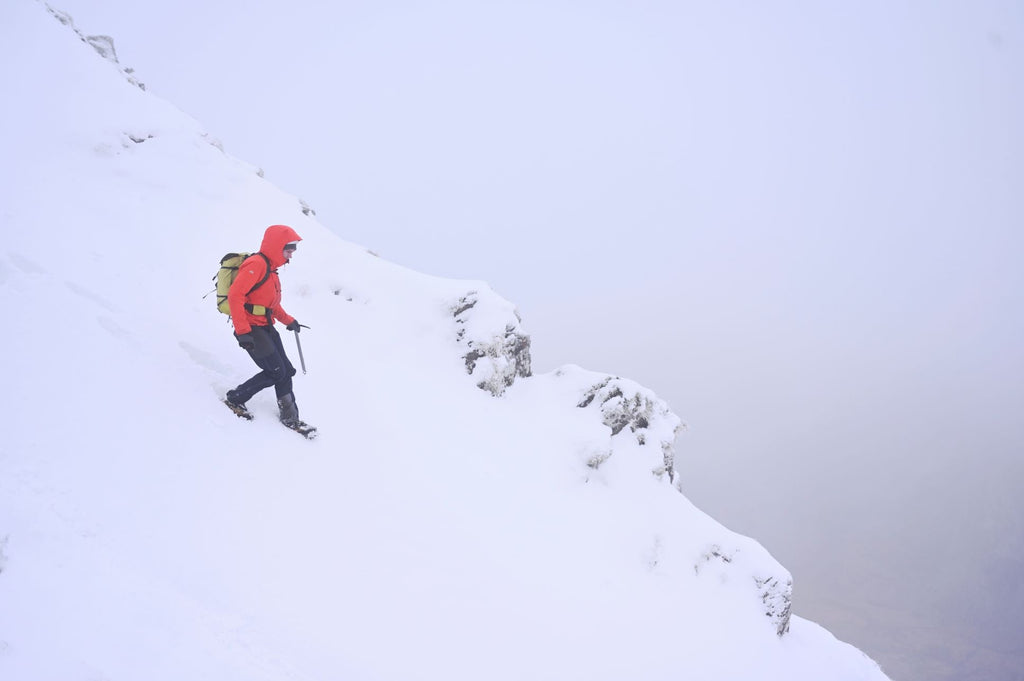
[[626, 406], [496, 350]]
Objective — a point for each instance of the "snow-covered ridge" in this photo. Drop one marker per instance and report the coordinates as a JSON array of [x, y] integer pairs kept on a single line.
[[103, 44], [633, 432], [431, 514]]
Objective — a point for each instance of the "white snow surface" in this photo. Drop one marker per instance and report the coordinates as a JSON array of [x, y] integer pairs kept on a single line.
[[433, 531]]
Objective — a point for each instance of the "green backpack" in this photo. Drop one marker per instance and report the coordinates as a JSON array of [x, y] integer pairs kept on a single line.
[[229, 265]]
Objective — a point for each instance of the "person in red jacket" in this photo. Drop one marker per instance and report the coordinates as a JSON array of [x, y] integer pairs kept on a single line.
[[255, 306]]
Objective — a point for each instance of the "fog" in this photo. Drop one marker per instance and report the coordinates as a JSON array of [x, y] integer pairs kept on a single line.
[[801, 225]]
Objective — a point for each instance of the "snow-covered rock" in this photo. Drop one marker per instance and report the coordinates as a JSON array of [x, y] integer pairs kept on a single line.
[[624, 404], [497, 351]]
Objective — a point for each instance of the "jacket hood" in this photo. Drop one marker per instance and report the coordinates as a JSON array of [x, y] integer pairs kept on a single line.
[[274, 240]]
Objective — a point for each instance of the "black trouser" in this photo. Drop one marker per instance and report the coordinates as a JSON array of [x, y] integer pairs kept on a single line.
[[268, 353]]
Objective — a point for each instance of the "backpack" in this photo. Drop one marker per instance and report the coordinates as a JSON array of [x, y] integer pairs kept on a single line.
[[229, 265]]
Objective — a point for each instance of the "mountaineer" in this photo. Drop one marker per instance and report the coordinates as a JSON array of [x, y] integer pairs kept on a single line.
[[254, 299]]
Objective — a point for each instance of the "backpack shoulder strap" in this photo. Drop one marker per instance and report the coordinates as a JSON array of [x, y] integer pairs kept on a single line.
[[266, 275]]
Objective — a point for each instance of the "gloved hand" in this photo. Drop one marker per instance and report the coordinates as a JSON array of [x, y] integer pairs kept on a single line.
[[295, 326], [246, 341]]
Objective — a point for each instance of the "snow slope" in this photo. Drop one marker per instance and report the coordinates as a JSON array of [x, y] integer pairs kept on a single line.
[[530, 529]]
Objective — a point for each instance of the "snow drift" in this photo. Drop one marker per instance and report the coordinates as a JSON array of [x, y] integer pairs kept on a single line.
[[458, 517]]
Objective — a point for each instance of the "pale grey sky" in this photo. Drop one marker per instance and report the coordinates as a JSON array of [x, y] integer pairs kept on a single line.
[[799, 223]]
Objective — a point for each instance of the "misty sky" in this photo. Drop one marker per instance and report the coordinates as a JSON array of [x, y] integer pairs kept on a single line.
[[800, 225]]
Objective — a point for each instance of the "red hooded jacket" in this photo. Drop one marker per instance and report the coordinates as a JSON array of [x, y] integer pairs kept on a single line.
[[269, 294]]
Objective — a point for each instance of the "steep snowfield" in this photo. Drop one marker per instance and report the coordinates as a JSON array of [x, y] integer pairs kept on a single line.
[[432, 531]]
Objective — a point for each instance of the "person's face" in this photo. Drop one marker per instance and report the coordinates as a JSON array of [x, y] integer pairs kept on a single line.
[[289, 249]]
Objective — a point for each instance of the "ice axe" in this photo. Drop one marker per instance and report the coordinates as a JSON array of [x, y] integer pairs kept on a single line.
[[298, 344]]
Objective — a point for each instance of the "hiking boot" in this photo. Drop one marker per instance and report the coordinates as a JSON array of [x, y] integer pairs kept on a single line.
[[236, 406], [289, 410]]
